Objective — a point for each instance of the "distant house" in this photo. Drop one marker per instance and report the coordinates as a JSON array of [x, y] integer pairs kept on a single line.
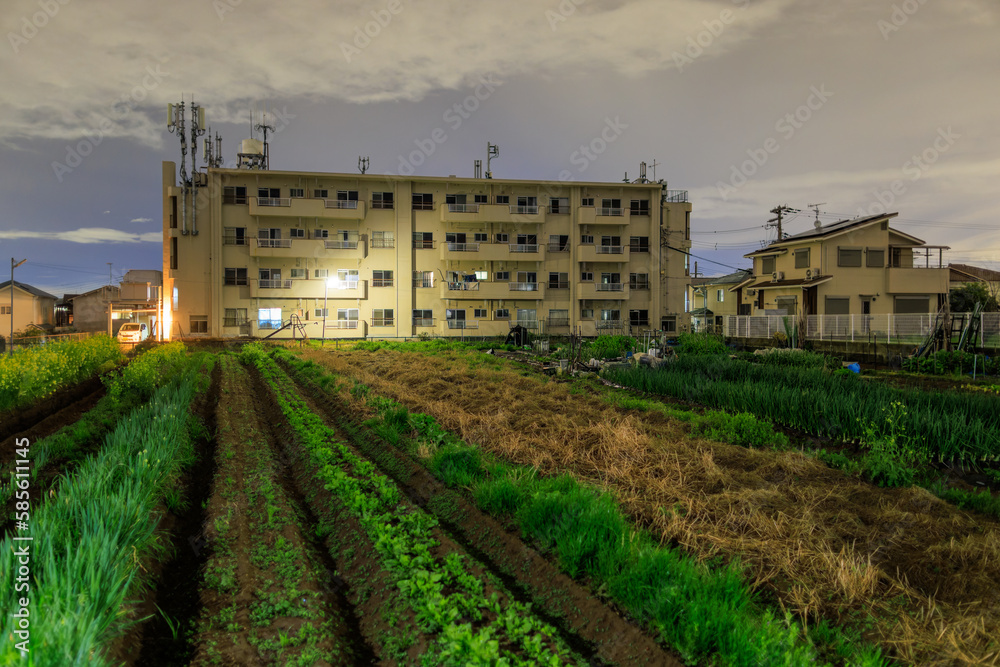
[[90, 309], [860, 266], [31, 306], [711, 301], [960, 274]]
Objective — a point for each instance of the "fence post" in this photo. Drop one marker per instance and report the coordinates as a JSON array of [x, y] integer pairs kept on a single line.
[[852, 327]]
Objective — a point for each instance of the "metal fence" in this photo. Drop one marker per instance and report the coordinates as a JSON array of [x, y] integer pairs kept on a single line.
[[27, 341]]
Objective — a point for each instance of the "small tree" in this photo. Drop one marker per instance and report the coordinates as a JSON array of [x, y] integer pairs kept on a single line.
[[963, 299]]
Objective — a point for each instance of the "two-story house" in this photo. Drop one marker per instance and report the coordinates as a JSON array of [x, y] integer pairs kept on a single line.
[[711, 301], [851, 267]]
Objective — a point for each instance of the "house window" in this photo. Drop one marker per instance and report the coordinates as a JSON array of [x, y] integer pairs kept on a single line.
[[502, 237], [199, 324], [321, 273], [234, 194], [586, 313], [381, 278], [720, 295], [802, 259], [912, 305], [480, 313], [638, 318], [587, 201], [348, 316], [269, 318], [268, 193], [559, 205], [321, 193], [586, 239], [383, 317], [611, 207], [611, 315], [501, 314], [586, 276], [235, 276], [173, 252], [638, 281], [480, 199], [502, 199], [501, 276], [423, 239], [558, 243], [347, 196], [382, 200], [296, 193], [423, 201], [423, 318], [481, 237], [848, 256], [639, 207], [423, 279], [299, 274], [638, 243], [321, 312], [526, 317], [875, 258], [234, 317], [766, 265], [234, 235], [789, 304], [347, 278], [383, 240], [482, 275], [527, 205], [669, 324], [321, 233], [838, 305], [297, 233], [558, 280], [173, 212], [5, 310]]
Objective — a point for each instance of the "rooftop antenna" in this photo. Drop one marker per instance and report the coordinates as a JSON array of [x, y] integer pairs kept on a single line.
[[363, 164], [477, 169], [262, 126], [197, 130], [176, 123], [654, 168], [625, 180], [815, 207], [642, 173], [492, 151]]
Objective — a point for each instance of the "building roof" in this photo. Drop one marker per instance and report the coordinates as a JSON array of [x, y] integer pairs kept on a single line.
[[114, 289], [832, 229], [701, 312], [969, 273], [728, 279], [796, 282], [25, 287]]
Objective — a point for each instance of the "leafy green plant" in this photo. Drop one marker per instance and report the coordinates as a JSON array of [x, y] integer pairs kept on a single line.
[[701, 343], [891, 458]]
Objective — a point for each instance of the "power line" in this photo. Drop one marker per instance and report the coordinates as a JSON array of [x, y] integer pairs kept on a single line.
[[704, 259]]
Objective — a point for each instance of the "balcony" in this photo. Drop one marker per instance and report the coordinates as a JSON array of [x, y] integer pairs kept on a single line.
[[474, 290], [327, 209], [274, 284], [602, 253], [462, 247], [341, 249], [273, 201], [274, 243], [589, 215], [463, 208], [340, 244], [917, 280], [675, 196], [493, 252], [523, 247], [602, 291]]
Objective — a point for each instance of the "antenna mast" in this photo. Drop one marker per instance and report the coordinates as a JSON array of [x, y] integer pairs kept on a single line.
[[176, 123], [492, 151], [262, 126], [815, 208], [363, 164]]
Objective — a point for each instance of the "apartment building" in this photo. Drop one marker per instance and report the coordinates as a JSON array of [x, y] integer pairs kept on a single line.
[[860, 266], [349, 255]]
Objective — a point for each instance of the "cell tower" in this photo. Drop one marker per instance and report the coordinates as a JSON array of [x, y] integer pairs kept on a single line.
[[492, 151], [177, 123]]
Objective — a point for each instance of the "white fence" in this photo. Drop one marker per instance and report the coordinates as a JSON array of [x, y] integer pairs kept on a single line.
[[891, 328]]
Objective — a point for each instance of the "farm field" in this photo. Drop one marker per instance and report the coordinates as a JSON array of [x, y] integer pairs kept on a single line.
[[907, 571]]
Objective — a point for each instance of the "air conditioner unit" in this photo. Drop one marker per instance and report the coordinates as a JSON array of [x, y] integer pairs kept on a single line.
[[781, 275], [777, 275], [815, 272], [809, 274]]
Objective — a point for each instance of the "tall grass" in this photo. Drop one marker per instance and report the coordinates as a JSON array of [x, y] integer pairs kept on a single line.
[[947, 426]]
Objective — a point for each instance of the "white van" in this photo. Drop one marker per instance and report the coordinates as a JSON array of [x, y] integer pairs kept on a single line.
[[133, 332]]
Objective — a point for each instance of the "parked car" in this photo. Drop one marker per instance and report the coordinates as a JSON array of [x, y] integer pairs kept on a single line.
[[133, 332]]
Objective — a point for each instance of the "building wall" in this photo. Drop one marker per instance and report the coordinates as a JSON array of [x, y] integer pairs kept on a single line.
[[90, 310], [28, 309], [198, 281]]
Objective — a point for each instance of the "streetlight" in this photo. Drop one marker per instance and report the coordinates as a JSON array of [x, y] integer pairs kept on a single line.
[[330, 282], [12, 267]]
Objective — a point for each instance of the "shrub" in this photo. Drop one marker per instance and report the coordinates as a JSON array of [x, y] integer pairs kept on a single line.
[[702, 343]]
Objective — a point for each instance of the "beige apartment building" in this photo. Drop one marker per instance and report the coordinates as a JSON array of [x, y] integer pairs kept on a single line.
[[351, 255], [851, 267]]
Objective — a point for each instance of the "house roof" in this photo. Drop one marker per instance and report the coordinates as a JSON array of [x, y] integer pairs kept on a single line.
[[728, 279], [969, 273], [797, 282], [701, 312], [25, 287], [832, 229], [113, 288]]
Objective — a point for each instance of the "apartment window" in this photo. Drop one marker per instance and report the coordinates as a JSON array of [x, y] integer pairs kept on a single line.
[[423, 201], [383, 317], [766, 266], [611, 315], [173, 252], [235, 276], [320, 312], [501, 314], [383, 240], [638, 243], [586, 313], [5, 310], [234, 235], [480, 313], [347, 315], [347, 196], [480, 199], [526, 316], [199, 324], [611, 207], [586, 239], [269, 318], [347, 278], [382, 200], [297, 233], [611, 282], [501, 276], [482, 275], [423, 279], [848, 256], [527, 240], [559, 205], [296, 193], [527, 205], [234, 194], [586, 276], [558, 280], [558, 317], [299, 274], [638, 281], [587, 201], [639, 207], [875, 258], [558, 243], [269, 274], [173, 212], [481, 237], [423, 318], [321, 233], [268, 193], [381, 278], [502, 237], [321, 273], [638, 318], [234, 317], [720, 295], [669, 324], [321, 193], [802, 259], [423, 239], [502, 199], [838, 305]]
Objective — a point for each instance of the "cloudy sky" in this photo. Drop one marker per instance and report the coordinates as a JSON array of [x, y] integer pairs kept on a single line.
[[859, 105]]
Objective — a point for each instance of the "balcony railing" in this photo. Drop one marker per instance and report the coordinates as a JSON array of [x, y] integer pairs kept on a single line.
[[463, 324], [527, 324], [267, 283], [610, 324], [468, 286], [382, 243], [525, 210], [273, 201], [523, 287], [423, 321], [383, 322], [638, 286], [463, 208], [232, 239], [558, 284], [340, 203], [558, 321], [274, 243], [610, 250], [419, 282], [384, 205], [677, 196], [340, 245], [462, 247], [558, 247], [382, 282], [610, 287], [422, 245], [333, 283], [342, 324], [611, 211], [523, 247], [423, 206]]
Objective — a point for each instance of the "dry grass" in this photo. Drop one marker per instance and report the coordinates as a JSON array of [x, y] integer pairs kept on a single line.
[[825, 545]]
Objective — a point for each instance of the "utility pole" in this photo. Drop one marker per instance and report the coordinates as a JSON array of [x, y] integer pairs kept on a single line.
[[776, 221], [109, 274], [13, 266]]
